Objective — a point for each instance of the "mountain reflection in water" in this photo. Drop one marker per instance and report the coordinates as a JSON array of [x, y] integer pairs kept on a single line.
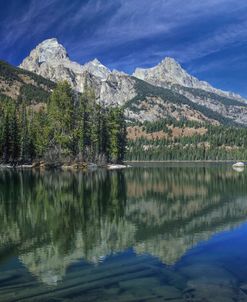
[[51, 221]]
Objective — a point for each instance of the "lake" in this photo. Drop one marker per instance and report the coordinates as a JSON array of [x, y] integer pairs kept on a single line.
[[154, 232]]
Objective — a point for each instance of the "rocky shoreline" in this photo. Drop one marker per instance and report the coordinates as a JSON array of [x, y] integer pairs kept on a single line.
[[185, 161], [71, 166]]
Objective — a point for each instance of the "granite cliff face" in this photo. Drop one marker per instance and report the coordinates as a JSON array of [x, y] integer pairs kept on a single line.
[[165, 90], [50, 59], [169, 72]]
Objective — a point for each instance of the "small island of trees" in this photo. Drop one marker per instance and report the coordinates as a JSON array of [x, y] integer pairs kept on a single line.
[[69, 127]]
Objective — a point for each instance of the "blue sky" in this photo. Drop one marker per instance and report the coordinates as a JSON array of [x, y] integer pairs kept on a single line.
[[209, 38]]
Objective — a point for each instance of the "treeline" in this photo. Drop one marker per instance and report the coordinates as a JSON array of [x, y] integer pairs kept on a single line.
[[163, 124], [69, 127], [217, 143]]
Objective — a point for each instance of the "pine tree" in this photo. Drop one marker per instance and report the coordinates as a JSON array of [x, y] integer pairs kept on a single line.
[[6, 139], [25, 137], [14, 136]]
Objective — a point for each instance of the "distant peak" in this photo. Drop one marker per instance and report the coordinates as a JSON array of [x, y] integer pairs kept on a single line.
[[51, 49], [55, 40], [52, 41], [96, 61], [97, 68], [168, 61]]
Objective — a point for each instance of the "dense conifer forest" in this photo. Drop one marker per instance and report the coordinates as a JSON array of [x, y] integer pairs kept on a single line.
[[216, 142], [69, 127]]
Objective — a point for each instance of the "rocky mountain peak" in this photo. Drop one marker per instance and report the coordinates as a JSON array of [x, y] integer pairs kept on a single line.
[[169, 72], [96, 62], [48, 43], [169, 62], [96, 68], [48, 50], [50, 59]]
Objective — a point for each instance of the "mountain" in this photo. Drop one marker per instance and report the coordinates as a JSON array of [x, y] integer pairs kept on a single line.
[[153, 103], [165, 90], [16, 83], [96, 68], [169, 72], [51, 60]]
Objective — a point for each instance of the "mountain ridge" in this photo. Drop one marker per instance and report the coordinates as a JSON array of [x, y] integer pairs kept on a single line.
[[114, 88], [167, 71], [170, 71]]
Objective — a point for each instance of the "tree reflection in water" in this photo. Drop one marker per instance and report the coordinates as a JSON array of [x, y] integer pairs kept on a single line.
[[49, 220]]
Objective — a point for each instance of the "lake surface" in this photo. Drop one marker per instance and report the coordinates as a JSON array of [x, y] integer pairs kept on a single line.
[[154, 233]]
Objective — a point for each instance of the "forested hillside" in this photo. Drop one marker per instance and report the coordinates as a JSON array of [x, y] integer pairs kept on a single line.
[[169, 139], [17, 84], [68, 128]]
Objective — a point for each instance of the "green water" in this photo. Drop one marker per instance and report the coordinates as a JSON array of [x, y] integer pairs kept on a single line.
[[154, 233]]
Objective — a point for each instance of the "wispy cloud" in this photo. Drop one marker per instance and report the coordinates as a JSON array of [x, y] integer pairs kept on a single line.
[[23, 25], [125, 33], [128, 21], [229, 36], [135, 20]]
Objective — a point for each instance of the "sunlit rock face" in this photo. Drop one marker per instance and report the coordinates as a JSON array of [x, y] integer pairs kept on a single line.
[[50, 59], [117, 89], [49, 51], [170, 75], [169, 71], [138, 93], [96, 68]]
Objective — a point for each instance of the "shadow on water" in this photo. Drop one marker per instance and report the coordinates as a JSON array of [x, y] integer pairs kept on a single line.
[[164, 233]]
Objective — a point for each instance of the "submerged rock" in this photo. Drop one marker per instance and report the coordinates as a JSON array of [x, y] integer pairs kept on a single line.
[[211, 293], [199, 274], [148, 282], [167, 292]]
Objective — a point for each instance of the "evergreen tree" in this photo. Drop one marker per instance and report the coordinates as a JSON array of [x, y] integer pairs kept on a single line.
[[6, 138], [25, 137], [14, 136], [69, 127]]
